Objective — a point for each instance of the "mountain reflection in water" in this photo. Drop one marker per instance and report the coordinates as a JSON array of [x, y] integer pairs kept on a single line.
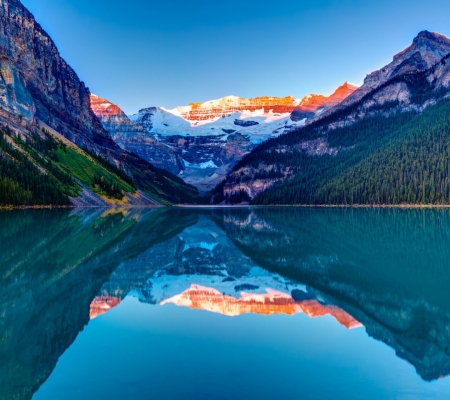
[[384, 269]]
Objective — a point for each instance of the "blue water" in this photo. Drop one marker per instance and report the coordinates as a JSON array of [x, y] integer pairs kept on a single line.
[[387, 271]]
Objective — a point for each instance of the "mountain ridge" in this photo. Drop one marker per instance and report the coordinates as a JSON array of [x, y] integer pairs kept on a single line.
[[202, 142], [300, 165]]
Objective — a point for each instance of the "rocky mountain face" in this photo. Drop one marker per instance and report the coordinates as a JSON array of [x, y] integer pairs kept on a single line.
[[133, 136], [202, 142], [427, 49], [37, 84], [210, 111], [38, 89], [414, 82], [315, 105]]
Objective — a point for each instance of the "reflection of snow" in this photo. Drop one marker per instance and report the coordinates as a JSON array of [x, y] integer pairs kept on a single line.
[[202, 245], [256, 281]]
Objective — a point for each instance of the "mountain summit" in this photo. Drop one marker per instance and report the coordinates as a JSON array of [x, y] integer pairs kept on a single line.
[[426, 50], [315, 105], [386, 143]]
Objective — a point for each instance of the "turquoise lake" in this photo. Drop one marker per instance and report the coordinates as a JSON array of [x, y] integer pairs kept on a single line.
[[263, 303]]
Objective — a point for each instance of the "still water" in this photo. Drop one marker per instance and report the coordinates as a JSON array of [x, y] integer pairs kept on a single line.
[[218, 303]]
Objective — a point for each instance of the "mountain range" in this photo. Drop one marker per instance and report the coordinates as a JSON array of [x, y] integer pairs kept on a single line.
[[202, 142], [381, 143]]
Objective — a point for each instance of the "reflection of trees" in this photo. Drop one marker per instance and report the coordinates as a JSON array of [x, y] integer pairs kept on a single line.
[[387, 268], [52, 264]]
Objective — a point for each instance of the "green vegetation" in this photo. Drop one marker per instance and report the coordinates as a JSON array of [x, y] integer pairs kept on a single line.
[[40, 170], [160, 184], [22, 182], [92, 173], [400, 159], [392, 156]]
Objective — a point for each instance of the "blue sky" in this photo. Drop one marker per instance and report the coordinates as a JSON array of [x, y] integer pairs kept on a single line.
[[141, 53]]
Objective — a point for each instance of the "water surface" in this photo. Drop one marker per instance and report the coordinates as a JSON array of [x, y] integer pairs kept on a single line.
[[221, 303]]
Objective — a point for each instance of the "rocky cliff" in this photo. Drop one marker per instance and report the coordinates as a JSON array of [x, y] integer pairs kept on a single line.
[[37, 83], [38, 89], [214, 109], [427, 49]]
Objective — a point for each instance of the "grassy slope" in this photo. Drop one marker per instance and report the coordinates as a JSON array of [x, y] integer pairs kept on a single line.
[[40, 170], [84, 168], [159, 184]]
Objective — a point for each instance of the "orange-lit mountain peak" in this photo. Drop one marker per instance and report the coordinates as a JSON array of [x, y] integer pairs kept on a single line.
[[213, 109], [102, 304], [103, 107], [314, 102], [270, 303], [342, 92], [314, 309]]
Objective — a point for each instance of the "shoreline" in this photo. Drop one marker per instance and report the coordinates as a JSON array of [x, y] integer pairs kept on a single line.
[[194, 206]]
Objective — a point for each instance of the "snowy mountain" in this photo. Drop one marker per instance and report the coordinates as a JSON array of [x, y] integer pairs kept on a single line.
[[202, 142], [217, 117]]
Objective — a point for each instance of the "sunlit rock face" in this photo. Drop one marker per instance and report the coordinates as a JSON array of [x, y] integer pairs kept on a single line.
[[271, 303], [314, 105], [102, 304], [214, 109]]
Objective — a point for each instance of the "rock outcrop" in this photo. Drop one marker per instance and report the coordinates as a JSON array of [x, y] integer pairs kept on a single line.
[[37, 83], [315, 105], [214, 109], [426, 50]]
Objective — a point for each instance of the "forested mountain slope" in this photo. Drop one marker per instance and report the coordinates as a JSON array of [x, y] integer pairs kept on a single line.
[[389, 147]]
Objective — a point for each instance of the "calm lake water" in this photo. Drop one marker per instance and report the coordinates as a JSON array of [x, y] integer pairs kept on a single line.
[[218, 304]]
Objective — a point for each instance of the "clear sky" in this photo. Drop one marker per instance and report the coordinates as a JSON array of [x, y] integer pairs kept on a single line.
[[142, 53]]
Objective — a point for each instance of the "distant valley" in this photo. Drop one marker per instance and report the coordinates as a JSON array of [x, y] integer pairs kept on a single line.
[[202, 142]]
